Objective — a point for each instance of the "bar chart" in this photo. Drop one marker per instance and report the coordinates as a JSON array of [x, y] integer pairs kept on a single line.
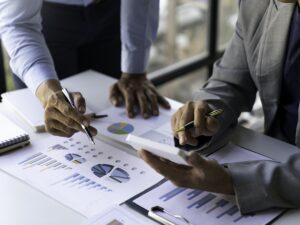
[[79, 181], [42, 162], [199, 207]]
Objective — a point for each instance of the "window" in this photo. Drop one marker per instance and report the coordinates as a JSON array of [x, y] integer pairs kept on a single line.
[[227, 20], [182, 32]]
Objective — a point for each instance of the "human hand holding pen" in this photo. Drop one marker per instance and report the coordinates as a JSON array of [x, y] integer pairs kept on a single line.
[[198, 112], [60, 118]]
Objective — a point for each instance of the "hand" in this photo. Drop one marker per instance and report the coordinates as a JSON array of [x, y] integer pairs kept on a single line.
[[137, 90], [203, 174], [60, 118], [203, 125]]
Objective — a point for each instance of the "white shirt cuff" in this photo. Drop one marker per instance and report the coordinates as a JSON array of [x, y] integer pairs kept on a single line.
[[38, 74]]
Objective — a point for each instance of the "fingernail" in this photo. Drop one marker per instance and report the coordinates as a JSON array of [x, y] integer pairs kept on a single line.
[[155, 112], [146, 115], [181, 140], [130, 115], [114, 102]]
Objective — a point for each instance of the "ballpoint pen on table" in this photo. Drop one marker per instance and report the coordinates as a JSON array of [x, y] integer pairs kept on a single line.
[[71, 102], [152, 213], [191, 124]]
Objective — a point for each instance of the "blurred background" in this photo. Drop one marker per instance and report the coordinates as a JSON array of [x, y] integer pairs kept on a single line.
[[192, 35]]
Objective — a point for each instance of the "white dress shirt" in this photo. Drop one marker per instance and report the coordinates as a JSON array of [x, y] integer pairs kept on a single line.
[[20, 30]]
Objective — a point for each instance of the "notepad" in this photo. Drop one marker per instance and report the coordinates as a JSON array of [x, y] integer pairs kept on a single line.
[[11, 136]]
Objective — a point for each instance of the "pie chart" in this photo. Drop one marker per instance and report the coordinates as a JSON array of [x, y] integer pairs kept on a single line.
[[101, 170], [120, 175], [75, 158], [120, 128]]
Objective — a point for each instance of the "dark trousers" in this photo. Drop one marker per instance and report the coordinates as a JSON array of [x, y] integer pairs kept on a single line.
[[81, 38]]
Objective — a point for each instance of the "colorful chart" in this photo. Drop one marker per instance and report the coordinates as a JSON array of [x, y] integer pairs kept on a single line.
[[75, 158], [101, 170], [120, 175], [121, 128]]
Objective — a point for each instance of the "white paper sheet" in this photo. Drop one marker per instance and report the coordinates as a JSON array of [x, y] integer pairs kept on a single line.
[[117, 125], [201, 207], [117, 216], [86, 178]]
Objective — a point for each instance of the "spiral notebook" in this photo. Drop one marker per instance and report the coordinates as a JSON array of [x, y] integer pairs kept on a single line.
[[11, 136]]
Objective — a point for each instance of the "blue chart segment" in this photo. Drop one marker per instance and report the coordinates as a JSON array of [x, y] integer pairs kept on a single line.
[[101, 170], [231, 211], [206, 199], [75, 158], [172, 194], [120, 175], [220, 204], [194, 194], [80, 182], [121, 128], [43, 162]]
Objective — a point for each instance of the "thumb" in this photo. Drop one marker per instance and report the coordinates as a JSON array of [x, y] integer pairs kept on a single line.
[[195, 160]]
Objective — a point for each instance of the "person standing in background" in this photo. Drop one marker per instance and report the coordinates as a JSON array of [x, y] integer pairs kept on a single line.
[[53, 39]]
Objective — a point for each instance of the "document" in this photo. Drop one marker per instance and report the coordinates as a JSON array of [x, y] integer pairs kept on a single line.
[[117, 216], [201, 207], [87, 178], [117, 125]]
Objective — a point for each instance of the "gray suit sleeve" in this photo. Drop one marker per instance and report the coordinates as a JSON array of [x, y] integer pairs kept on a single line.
[[231, 86], [261, 185]]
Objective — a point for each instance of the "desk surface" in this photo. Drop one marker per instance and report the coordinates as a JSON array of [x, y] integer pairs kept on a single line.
[[22, 204]]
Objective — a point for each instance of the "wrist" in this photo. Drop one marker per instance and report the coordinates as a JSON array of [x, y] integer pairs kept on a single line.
[[133, 75], [46, 89]]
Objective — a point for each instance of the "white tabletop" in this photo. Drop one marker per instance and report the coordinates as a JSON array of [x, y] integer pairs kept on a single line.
[[22, 204]]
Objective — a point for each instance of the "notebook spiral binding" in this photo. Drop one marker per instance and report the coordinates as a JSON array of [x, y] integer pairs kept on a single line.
[[15, 140]]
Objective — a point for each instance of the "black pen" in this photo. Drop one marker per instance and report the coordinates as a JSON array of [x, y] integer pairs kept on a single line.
[[95, 116], [191, 124], [71, 102]]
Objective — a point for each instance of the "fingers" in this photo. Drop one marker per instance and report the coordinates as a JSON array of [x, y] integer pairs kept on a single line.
[[115, 95], [52, 114], [79, 102], [58, 101], [152, 97], [173, 124], [93, 130], [200, 110], [195, 160], [129, 103], [212, 126], [137, 89], [142, 100], [203, 125], [160, 99], [56, 128], [186, 116]]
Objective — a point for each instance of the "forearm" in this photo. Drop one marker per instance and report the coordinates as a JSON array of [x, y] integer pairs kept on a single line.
[[264, 184], [20, 28], [139, 24]]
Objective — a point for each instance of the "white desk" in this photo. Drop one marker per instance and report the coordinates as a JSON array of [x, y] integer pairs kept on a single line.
[[22, 204]]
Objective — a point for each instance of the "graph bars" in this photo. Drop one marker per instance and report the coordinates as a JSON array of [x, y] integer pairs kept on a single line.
[[211, 204], [202, 201], [43, 162], [79, 181], [172, 194]]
